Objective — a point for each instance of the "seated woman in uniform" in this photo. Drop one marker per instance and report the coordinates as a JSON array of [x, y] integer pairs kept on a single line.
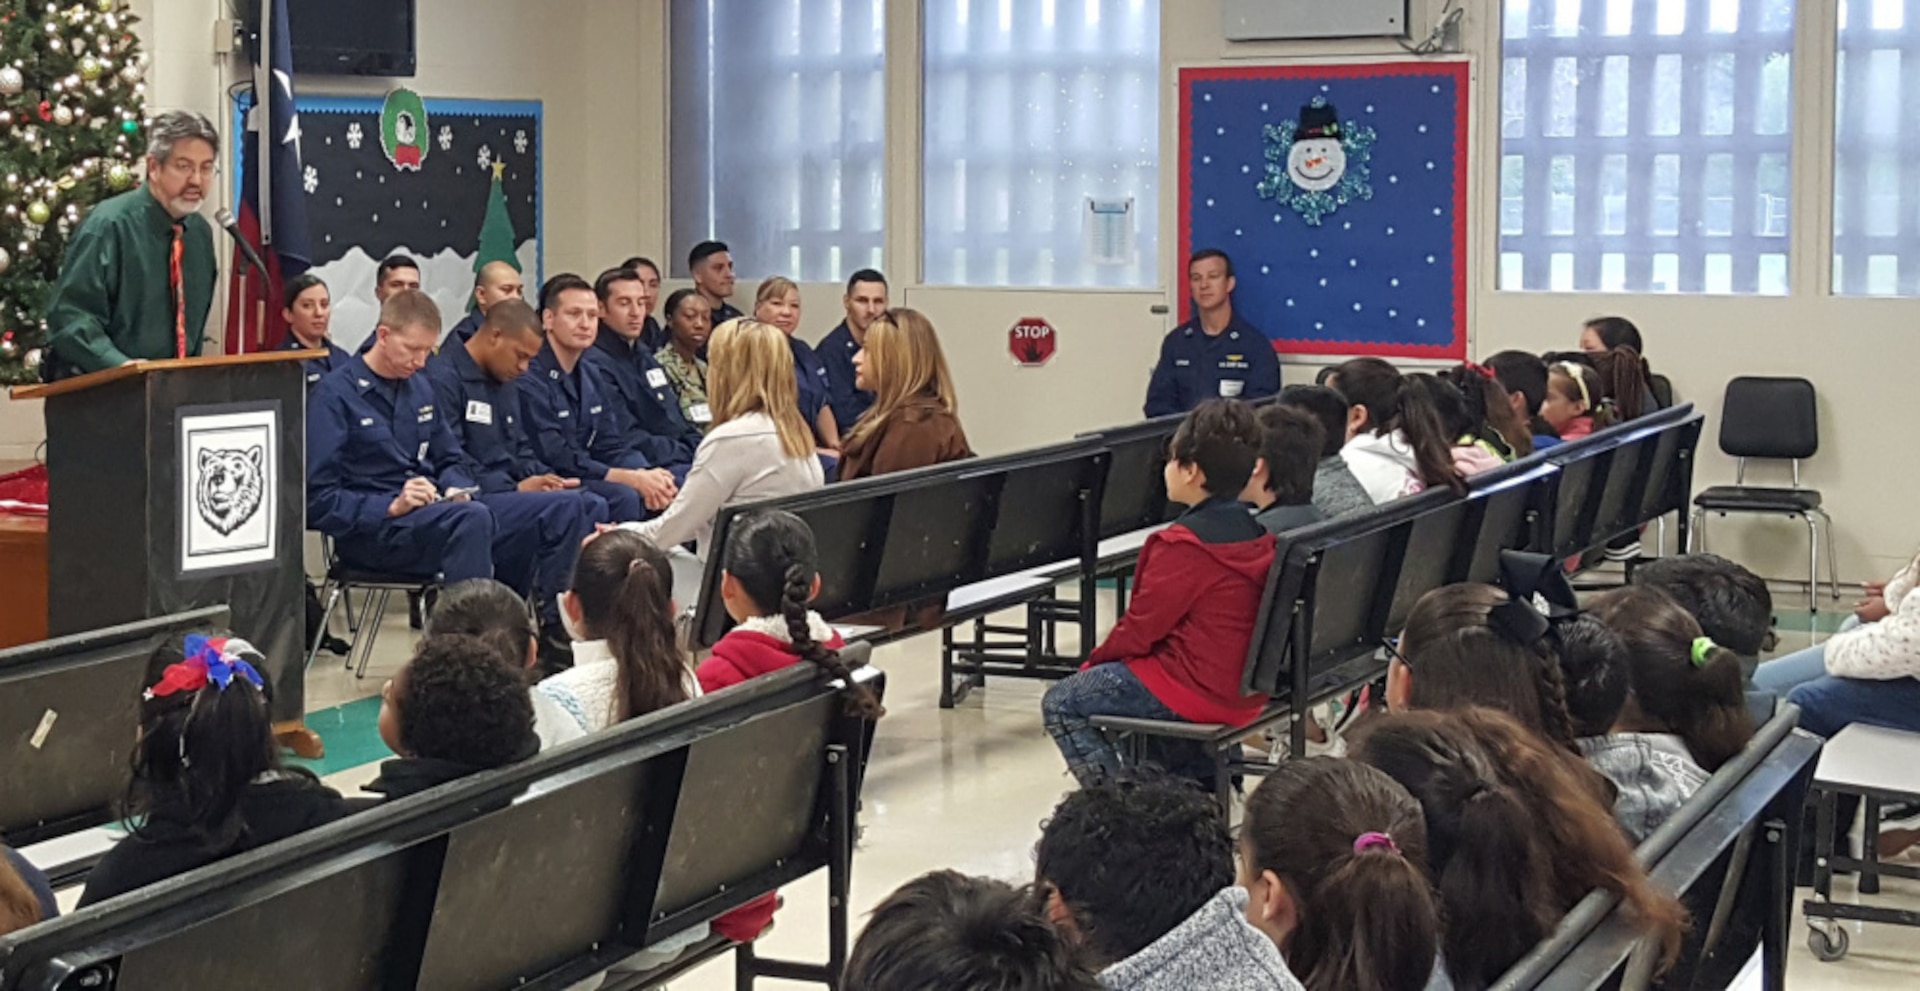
[[914, 421], [759, 447], [778, 303], [688, 327], [207, 780]]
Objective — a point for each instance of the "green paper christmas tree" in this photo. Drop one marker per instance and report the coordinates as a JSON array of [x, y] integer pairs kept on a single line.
[[72, 115], [496, 231]]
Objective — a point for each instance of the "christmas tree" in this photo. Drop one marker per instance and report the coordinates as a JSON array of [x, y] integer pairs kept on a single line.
[[72, 111], [496, 231]]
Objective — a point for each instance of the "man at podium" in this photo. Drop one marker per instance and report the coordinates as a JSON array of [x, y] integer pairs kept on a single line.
[[137, 280]]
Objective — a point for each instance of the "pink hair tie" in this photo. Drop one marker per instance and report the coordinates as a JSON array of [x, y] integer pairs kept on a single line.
[[1375, 841]]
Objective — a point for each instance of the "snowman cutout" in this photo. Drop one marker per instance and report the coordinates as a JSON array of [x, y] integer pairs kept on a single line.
[[1318, 160], [1318, 164]]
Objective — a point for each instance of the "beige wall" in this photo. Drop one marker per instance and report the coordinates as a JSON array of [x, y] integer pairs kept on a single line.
[[601, 68]]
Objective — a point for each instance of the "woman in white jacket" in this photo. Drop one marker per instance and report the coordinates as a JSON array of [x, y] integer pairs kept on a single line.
[[759, 446], [1872, 674], [1397, 444]]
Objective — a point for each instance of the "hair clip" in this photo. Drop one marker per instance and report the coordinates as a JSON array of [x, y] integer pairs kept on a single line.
[[209, 660], [1703, 648], [1479, 369], [1375, 841]]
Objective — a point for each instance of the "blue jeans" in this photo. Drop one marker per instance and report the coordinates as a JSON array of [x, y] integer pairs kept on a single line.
[[1110, 690], [1785, 673], [1828, 704]]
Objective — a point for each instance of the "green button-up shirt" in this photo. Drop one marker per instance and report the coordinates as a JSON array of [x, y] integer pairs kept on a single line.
[[114, 299]]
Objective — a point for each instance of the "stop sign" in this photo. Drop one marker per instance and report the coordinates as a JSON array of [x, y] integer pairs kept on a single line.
[[1031, 342]]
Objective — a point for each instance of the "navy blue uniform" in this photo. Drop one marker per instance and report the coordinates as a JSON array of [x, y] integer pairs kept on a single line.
[[810, 374], [463, 331], [652, 334], [1238, 364], [848, 401], [721, 314], [485, 414], [573, 425], [317, 368], [366, 436], [649, 409]]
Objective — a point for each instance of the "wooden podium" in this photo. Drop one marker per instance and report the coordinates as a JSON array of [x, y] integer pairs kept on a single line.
[[176, 484]]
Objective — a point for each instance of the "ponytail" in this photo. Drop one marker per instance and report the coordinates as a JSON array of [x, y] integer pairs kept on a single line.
[[1487, 405], [640, 632], [1627, 381], [772, 555], [625, 587], [1683, 682], [1420, 421], [1518, 836], [1350, 846]]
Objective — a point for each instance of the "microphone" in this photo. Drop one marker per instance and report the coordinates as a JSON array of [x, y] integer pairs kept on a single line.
[[224, 217]]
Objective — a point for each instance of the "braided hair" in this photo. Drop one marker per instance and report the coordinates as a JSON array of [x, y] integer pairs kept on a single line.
[[773, 557]]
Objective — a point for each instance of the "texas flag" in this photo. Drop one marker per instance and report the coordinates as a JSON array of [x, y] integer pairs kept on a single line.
[[254, 303]]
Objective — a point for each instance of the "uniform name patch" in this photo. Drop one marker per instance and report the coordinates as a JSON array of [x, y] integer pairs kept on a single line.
[[479, 412], [657, 378]]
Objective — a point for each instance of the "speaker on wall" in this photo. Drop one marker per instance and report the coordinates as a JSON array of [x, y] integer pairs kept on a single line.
[[1293, 20]]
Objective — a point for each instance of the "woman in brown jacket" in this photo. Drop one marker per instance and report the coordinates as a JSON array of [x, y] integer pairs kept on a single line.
[[914, 420]]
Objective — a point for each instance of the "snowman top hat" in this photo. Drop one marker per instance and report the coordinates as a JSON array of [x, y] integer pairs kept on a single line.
[[1322, 121]]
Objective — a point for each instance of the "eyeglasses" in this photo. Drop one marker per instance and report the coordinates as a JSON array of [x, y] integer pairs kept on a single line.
[[182, 168], [1392, 645]]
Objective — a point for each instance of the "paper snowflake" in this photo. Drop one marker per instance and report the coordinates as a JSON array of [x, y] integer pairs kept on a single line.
[[520, 142], [311, 179], [1313, 206], [446, 138], [355, 136], [486, 157]]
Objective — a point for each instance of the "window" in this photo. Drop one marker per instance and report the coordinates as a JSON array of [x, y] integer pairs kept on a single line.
[[1042, 142], [1876, 190], [778, 140], [1645, 145]]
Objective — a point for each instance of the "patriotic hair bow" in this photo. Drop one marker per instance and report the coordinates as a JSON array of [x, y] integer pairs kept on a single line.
[[209, 660]]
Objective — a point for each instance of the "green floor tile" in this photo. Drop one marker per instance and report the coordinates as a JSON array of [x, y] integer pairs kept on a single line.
[[352, 736], [1803, 621]]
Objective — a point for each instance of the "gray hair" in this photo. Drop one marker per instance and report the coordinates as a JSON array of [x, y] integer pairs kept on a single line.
[[176, 126]]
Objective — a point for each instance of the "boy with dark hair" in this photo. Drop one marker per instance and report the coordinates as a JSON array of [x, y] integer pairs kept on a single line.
[[1336, 492], [1179, 651], [1524, 376], [945, 931], [1140, 873], [1282, 485], [1731, 603], [456, 709]]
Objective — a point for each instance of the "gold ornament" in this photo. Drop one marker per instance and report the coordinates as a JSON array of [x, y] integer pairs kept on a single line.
[[39, 212], [5, 261], [63, 115], [11, 81], [89, 68], [119, 176], [106, 6]]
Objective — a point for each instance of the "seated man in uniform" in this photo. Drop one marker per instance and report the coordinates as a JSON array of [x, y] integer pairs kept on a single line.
[[473, 383], [711, 266], [574, 426], [635, 383], [496, 282], [1216, 355], [309, 315], [396, 274], [866, 301], [388, 481]]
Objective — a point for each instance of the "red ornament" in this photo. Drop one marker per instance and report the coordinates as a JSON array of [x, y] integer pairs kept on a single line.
[[1031, 342], [46, 111]]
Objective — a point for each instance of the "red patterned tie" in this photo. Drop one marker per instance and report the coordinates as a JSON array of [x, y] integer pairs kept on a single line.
[[179, 292]]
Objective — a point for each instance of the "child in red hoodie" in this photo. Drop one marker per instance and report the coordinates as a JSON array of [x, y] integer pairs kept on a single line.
[[771, 572], [1179, 652]]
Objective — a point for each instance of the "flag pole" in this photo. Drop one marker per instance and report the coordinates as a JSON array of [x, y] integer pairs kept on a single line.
[[263, 123]]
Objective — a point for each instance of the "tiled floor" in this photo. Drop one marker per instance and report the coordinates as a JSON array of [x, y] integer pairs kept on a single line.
[[967, 789]]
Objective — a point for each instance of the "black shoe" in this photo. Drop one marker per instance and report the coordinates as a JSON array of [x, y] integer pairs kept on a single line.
[[335, 646], [415, 619]]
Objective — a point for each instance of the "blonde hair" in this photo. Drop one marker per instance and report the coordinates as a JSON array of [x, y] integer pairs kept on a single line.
[[773, 289], [904, 361], [409, 310], [750, 370]]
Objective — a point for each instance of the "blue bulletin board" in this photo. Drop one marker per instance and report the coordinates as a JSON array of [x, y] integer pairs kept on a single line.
[[1340, 191]]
